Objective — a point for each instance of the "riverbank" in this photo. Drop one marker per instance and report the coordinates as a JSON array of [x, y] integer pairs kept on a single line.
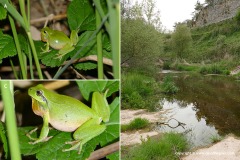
[[136, 137], [228, 148]]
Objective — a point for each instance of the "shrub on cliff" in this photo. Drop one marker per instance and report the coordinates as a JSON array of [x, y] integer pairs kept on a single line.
[[181, 40], [237, 17]]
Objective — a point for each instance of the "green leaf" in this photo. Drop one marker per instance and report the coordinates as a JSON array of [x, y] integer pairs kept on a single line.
[[81, 15], [87, 87], [89, 49], [4, 139], [85, 66], [24, 43], [7, 46], [3, 13], [52, 149], [113, 156], [49, 58]]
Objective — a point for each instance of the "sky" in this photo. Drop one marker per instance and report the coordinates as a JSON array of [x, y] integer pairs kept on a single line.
[[172, 11]]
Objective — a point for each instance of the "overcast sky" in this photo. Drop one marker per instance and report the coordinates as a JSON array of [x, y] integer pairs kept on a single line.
[[172, 11], [175, 11]]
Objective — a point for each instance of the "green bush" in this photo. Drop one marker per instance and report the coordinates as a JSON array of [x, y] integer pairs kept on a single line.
[[137, 123], [138, 91], [237, 16], [168, 86], [214, 69], [181, 40], [164, 148]]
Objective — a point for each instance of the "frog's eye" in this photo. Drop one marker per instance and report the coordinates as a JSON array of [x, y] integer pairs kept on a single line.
[[39, 93]]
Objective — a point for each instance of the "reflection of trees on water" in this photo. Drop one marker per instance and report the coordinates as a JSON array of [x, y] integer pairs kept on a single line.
[[214, 98]]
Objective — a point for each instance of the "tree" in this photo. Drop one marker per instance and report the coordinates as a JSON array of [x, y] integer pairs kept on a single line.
[[181, 40], [141, 37]]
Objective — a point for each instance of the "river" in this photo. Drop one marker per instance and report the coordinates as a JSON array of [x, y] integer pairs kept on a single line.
[[208, 105]]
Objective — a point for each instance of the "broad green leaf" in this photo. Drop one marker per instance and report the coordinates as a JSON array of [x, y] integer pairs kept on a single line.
[[24, 43], [7, 46], [52, 149], [89, 49], [85, 66], [3, 13], [87, 87], [81, 15], [114, 156], [49, 58]]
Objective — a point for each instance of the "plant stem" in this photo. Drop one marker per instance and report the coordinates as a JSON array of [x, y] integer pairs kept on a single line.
[[7, 96], [14, 70], [101, 13], [114, 20], [27, 29], [20, 56], [35, 55], [99, 47]]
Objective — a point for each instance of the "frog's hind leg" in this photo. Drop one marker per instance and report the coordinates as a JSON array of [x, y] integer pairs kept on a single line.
[[66, 49], [84, 133]]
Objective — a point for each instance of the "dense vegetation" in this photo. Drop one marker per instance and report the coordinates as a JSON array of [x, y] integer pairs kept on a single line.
[[164, 148], [137, 123]]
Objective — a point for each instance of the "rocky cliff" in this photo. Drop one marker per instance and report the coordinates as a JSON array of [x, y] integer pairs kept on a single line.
[[216, 11]]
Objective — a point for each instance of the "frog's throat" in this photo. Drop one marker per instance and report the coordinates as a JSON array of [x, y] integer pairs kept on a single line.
[[37, 108]]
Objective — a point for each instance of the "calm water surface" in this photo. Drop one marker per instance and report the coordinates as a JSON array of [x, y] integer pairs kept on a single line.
[[208, 105]]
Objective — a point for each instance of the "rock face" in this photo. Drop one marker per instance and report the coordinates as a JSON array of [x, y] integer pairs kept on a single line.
[[217, 11]]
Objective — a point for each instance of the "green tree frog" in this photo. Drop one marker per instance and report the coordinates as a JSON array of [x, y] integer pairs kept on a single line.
[[67, 114], [58, 40]]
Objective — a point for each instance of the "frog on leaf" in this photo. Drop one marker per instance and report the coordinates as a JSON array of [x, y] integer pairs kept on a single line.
[[67, 114], [59, 41]]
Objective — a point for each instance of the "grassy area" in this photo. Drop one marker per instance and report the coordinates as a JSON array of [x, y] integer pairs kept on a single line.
[[216, 138], [168, 86], [163, 148], [217, 45], [139, 91], [137, 123]]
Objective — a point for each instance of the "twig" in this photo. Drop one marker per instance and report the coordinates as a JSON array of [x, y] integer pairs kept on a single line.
[[103, 152], [77, 74], [43, 19], [92, 58], [167, 123]]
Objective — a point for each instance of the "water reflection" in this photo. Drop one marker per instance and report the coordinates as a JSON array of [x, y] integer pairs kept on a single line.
[[209, 105], [196, 130]]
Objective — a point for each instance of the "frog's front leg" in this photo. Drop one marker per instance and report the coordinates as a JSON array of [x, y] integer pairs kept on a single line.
[[66, 49], [43, 134], [46, 49], [84, 133], [100, 105]]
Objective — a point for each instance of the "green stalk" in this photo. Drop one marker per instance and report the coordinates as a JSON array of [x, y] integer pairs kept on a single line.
[[27, 22], [80, 50], [8, 101], [19, 51], [99, 47], [13, 68], [97, 3], [114, 20], [35, 55]]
